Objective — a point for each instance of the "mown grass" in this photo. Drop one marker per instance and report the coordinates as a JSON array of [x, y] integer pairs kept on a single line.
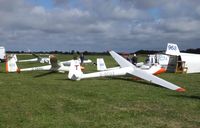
[[53, 101]]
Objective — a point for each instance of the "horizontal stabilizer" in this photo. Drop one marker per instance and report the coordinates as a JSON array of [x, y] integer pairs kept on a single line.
[[87, 61], [28, 60]]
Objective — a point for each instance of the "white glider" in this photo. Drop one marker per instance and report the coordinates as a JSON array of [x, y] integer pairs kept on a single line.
[[38, 58], [54, 65], [126, 68], [68, 63], [154, 69], [47, 60], [11, 66]]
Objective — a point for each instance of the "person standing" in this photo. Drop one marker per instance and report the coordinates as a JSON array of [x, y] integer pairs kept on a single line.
[[81, 58], [134, 59]]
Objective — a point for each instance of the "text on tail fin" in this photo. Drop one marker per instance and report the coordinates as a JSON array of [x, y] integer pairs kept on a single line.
[[75, 70], [172, 49], [101, 66]]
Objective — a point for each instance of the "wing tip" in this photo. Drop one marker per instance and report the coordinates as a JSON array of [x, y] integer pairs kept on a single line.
[[180, 90]]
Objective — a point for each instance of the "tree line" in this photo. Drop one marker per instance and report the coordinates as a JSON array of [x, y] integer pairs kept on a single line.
[[197, 51]]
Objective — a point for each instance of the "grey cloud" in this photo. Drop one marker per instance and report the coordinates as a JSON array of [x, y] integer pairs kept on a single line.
[[100, 25], [60, 2], [10, 5]]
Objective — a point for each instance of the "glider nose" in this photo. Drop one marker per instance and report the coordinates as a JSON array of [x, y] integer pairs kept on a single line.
[[162, 70], [82, 68]]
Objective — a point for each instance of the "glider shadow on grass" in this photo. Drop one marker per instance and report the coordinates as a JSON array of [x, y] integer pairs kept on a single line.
[[187, 96], [44, 74], [135, 79]]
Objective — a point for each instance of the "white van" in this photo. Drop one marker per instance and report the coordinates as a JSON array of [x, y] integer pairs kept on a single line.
[[2, 54], [161, 59]]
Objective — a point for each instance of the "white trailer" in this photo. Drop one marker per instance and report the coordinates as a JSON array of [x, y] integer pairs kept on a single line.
[[2, 54], [160, 59], [182, 62]]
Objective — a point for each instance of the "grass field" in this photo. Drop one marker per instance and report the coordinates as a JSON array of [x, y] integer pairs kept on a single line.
[[53, 101]]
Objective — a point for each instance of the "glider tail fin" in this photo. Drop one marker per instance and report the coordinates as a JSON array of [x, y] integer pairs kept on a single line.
[[172, 49], [11, 65], [75, 72], [101, 66]]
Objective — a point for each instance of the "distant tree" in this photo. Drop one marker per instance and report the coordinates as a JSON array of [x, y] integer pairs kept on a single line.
[[72, 52], [197, 51], [147, 52], [85, 52]]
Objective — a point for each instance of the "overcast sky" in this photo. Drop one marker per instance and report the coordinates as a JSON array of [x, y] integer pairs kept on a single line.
[[99, 25]]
